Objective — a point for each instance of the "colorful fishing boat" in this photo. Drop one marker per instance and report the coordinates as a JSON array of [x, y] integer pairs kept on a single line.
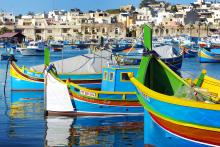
[[208, 55], [56, 46], [167, 53], [189, 52], [26, 79], [116, 96], [87, 72], [33, 49], [173, 104]]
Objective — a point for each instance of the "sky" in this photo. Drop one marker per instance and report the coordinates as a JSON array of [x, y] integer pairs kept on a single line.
[[24, 6]]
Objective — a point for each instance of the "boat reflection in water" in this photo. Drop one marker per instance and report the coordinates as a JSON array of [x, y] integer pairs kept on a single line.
[[29, 127], [25, 97], [94, 131], [26, 120], [25, 104]]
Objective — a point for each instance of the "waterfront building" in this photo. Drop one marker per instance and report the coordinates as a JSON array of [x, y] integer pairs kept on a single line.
[[58, 15], [198, 17], [7, 18]]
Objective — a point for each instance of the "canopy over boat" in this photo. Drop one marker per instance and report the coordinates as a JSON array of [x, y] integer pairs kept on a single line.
[[87, 63]]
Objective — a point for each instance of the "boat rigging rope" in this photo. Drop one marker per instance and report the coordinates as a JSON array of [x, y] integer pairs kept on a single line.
[[10, 59], [134, 43], [6, 75]]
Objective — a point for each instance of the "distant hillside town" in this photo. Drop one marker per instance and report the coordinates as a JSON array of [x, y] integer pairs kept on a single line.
[[199, 19]]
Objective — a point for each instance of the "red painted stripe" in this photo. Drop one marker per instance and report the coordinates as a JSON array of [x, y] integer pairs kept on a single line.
[[200, 135], [81, 81], [105, 102], [26, 76]]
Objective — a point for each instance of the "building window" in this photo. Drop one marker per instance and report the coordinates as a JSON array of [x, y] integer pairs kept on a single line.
[[65, 30], [116, 30], [93, 31], [111, 76], [103, 30], [38, 31], [86, 30], [124, 77], [105, 75], [49, 31]]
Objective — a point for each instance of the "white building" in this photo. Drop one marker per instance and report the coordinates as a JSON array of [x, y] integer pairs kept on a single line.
[[58, 15], [144, 16], [162, 15], [7, 18]]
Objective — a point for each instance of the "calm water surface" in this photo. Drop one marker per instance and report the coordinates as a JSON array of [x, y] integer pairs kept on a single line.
[[24, 124]]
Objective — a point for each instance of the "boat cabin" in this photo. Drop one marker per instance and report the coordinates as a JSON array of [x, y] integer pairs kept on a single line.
[[115, 78]]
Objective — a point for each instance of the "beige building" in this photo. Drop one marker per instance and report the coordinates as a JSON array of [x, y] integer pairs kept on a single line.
[[94, 31]]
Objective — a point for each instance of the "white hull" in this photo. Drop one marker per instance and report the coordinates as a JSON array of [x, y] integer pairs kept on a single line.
[[31, 52]]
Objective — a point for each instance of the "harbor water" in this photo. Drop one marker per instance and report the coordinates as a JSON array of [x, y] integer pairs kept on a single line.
[[24, 123]]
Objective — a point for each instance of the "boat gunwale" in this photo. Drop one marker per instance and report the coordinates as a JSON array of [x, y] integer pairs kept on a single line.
[[172, 99]]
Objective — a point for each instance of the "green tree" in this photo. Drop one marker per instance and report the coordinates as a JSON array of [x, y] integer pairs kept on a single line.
[[50, 37], [30, 13], [4, 30], [18, 16], [145, 3], [174, 8]]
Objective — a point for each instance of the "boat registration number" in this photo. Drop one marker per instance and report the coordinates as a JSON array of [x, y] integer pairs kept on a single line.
[[87, 93]]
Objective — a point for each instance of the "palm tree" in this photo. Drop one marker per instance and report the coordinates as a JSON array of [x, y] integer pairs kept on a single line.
[[191, 26], [207, 28], [181, 27], [4, 30], [199, 24], [161, 28], [50, 37]]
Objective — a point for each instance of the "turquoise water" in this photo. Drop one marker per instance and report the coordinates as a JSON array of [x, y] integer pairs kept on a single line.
[[24, 124]]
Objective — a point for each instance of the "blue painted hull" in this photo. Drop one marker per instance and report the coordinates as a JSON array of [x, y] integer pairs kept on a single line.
[[153, 132], [190, 54], [23, 85], [87, 107], [174, 63], [206, 56], [24, 79], [192, 115]]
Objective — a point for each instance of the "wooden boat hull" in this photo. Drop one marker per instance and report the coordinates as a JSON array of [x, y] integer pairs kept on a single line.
[[173, 103], [4, 56], [174, 63], [32, 52], [208, 57], [183, 117], [200, 136], [102, 106], [57, 49], [81, 101], [190, 54], [23, 79]]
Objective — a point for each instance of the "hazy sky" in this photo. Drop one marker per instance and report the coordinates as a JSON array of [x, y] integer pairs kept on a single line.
[[24, 6]]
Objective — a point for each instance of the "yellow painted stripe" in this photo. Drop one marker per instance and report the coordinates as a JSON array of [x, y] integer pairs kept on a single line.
[[172, 99], [15, 74], [183, 123], [204, 55], [90, 90], [212, 85]]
